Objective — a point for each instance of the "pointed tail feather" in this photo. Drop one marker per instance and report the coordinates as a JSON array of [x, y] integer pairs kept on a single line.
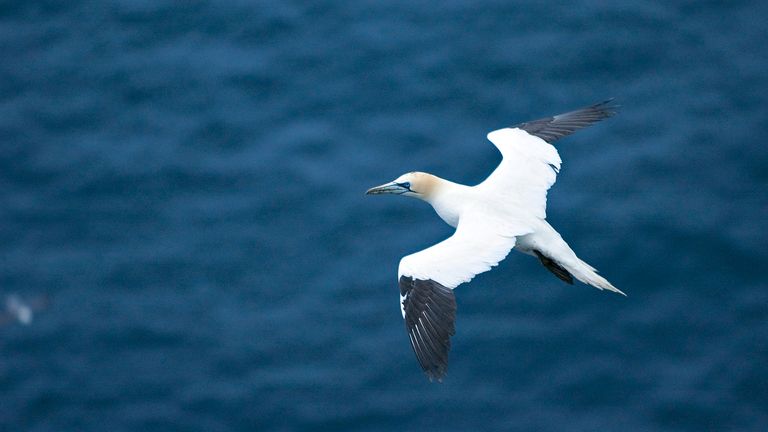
[[587, 274], [558, 257]]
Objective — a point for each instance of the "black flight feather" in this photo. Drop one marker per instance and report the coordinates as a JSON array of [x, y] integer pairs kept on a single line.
[[551, 129]]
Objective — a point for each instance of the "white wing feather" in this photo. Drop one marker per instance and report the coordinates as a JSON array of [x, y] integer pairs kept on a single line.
[[528, 169], [475, 247]]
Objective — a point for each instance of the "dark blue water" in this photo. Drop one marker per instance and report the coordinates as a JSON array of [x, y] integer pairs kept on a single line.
[[181, 201]]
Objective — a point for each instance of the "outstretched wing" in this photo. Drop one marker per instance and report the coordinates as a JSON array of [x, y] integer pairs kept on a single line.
[[530, 163], [551, 129], [427, 280]]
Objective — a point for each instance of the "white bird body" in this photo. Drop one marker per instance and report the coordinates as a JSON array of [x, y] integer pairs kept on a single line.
[[507, 210]]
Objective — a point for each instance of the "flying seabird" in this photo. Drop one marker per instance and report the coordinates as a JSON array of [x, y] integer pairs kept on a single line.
[[506, 211]]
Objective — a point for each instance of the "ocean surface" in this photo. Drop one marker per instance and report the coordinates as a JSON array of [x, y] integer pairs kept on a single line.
[[185, 244]]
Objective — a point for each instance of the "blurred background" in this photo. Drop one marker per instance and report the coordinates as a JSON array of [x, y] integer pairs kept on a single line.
[[185, 244]]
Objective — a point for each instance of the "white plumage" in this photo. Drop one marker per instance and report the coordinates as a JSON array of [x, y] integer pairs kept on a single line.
[[505, 211]]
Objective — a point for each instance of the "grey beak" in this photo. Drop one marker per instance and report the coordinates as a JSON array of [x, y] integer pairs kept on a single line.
[[389, 188]]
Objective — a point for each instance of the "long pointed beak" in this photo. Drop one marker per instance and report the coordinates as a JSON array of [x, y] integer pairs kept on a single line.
[[388, 188]]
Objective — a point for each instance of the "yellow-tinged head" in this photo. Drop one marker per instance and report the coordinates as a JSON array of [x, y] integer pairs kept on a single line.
[[415, 184]]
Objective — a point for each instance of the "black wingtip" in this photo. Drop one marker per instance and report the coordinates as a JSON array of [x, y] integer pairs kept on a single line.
[[435, 376], [607, 107], [551, 129], [430, 313]]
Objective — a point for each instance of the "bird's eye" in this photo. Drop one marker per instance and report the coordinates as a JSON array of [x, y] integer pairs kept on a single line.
[[407, 185]]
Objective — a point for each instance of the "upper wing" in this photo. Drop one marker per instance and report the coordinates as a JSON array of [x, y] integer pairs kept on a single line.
[[530, 163], [551, 129], [528, 169], [427, 279], [479, 243]]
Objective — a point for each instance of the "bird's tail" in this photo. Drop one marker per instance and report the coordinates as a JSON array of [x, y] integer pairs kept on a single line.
[[558, 257], [587, 274]]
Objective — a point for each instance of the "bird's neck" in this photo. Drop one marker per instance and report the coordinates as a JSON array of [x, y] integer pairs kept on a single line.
[[446, 198]]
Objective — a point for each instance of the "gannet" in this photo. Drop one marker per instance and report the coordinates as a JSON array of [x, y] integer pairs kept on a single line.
[[506, 211]]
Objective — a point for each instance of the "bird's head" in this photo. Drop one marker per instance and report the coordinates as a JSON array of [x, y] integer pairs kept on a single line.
[[415, 184]]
